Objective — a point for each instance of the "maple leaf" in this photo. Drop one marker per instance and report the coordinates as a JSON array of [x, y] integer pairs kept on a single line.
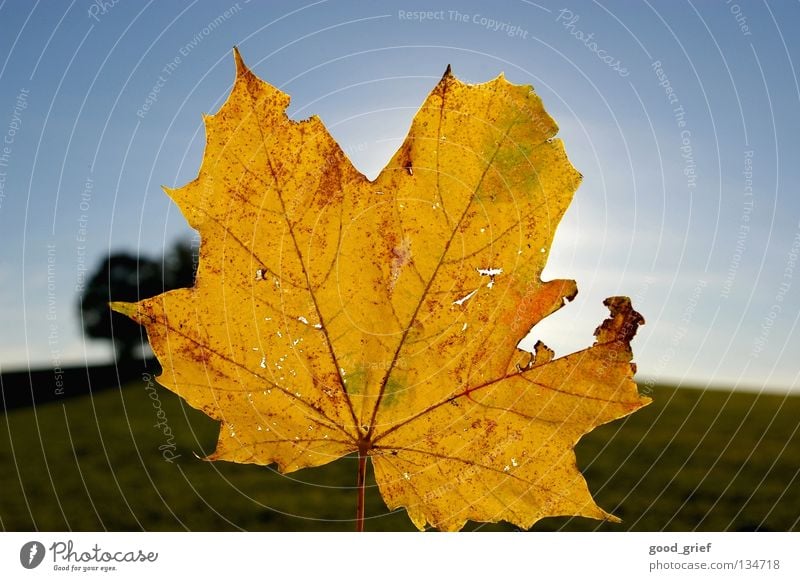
[[332, 314]]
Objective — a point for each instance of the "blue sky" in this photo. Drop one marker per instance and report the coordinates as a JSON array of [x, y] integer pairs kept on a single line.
[[682, 117]]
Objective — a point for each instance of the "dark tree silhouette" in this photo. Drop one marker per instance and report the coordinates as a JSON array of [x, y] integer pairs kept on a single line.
[[124, 277], [180, 265], [120, 277]]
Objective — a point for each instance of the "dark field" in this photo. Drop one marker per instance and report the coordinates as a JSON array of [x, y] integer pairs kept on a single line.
[[693, 460]]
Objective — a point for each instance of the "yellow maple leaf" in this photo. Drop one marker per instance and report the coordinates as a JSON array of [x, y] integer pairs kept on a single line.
[[333, 314]]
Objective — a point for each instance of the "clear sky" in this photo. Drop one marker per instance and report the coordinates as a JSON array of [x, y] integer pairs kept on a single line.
[[682, 116]]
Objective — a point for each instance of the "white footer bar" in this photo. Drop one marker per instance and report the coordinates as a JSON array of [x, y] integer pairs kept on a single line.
[[400, 556]]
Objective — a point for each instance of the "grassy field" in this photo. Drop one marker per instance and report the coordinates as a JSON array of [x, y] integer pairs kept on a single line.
[[693, 460]]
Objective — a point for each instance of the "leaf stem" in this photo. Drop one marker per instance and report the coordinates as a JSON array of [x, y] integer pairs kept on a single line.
[[361, 484]]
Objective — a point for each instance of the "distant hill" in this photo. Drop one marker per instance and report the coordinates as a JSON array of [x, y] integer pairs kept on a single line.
[[24, 388], [693, 460]]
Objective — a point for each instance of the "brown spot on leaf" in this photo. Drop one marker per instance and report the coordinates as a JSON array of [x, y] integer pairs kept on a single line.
[[621, 325]]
